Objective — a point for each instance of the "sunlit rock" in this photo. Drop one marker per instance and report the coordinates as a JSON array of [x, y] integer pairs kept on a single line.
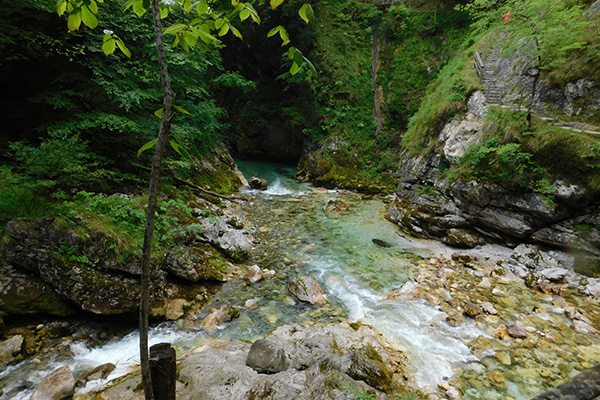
[[307, 289], [554, 274], [408, 291], [489, 308], [254, 274], [251, 304], [220, 316], [10, 348], [584, 327], [59, 385], [100, 372], [516, 330]]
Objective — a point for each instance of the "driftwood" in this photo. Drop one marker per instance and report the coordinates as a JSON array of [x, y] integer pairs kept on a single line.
[[584, 386], [200, 188], [197, 187]]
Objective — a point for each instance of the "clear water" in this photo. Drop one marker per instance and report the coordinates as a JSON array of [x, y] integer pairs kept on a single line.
[[298, 237]]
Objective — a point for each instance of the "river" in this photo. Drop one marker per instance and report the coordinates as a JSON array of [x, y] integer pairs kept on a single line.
[[358, 257]]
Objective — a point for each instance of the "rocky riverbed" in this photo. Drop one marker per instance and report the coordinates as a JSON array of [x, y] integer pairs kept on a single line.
[[513, 322]]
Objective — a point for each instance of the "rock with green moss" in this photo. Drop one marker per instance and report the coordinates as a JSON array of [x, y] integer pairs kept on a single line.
[[307, 289], [198, 263], [235, 243]]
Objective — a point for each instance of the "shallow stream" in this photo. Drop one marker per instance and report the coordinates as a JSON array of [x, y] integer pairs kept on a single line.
[[358, 257]]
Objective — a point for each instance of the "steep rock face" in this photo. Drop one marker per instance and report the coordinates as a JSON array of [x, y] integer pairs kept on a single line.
[[468, 213], [55, 269], [516, 74]]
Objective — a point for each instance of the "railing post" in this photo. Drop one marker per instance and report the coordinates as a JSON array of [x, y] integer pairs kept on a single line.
[[163, 371]]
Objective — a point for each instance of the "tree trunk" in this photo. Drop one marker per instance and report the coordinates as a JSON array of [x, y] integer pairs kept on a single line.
[[165, 125]]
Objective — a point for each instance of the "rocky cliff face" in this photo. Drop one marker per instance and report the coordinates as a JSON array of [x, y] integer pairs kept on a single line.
[[48, 267], [467, 213]]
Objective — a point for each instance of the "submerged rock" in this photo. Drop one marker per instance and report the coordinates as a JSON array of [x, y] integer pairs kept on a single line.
[[336, 206], [381, 243], [254, 274], [307, 289]]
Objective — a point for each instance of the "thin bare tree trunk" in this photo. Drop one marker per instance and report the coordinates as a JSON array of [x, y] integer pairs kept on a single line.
[[165, 125]]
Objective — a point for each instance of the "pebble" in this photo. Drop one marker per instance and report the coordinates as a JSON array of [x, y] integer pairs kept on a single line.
[[485, 283], [584, 327], [516, 330], [251, 304], [489, 308], [503, 357], [496, 377]]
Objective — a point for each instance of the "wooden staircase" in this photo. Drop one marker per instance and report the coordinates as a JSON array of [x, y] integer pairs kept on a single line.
[[487, 75]]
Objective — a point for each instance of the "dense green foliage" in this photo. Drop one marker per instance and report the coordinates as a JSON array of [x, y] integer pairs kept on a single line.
[[413, 45], [513, 154], [77, 120]]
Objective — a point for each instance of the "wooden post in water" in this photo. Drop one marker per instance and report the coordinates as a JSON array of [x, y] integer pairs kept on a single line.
[[163, 371], [585, 386]]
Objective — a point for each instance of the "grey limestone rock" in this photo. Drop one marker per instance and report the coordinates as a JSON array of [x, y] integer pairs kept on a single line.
[[59, 385]]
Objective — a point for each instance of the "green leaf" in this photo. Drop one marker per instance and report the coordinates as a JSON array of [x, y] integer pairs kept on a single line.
[[129, 4], [244, 14], [147, 146], [253, 13], [307, 14], [108, 47], [236, 32], [275, 3], [295, 68], [93, 6], [158, 113], [284, 36], [61, 7], [123, 48], [224, 30], [181, 110], [184, 44], [173, 29], [175, 147], [219, 23], [311, 67], [138, 8], [206, 36], [74, 20], [88, 18], [274, 31], [164, 12], [202, 8]]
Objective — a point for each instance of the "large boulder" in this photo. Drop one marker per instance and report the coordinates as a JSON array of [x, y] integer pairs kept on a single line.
[[59, 385], [235, 243], [196, 263], [292, 362]]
